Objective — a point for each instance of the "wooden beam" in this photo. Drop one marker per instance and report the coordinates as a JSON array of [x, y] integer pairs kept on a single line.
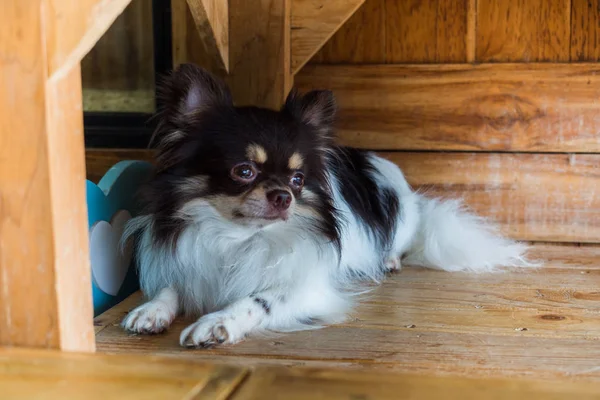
[[187, 44], [45, 284], [27, 374], [52, 375], [74, 26], [338, 384], [181, 30], [211, 18], [313, 23], [491, 107], [259, 52]]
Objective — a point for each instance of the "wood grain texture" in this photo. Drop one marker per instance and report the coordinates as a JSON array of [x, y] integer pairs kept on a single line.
[[45, 288], [523, 30], [539, 324], [187, 44], [303, 383], [99, 161], [51, 375], [66, 157], [471, 44], [429, 31], [542, 197], [360, 40], [313, 23], [585, 30], [493, 107], [536, 197], [28, 374], [259, 35], [74, 26], [211, 18]]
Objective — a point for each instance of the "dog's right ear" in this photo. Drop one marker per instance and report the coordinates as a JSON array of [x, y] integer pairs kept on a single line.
[[189, 91]]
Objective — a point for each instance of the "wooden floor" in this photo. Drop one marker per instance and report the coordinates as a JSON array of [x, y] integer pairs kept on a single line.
[[539, 324]]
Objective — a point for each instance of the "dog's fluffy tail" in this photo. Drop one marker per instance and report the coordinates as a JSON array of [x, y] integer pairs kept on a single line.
[[450, 238]]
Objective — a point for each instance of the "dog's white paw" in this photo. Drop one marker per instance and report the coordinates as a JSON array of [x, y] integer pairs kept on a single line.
[[210, 330], [152, 317], [393, 264]]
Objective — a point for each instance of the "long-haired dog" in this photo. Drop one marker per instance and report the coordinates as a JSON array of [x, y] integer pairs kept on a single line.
[[255, 220]]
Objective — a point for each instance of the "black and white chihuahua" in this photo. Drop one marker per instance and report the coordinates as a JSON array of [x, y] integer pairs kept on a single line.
[[256, 220]]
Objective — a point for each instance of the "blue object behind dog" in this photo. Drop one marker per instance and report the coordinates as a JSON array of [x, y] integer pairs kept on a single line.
[[110, 204]]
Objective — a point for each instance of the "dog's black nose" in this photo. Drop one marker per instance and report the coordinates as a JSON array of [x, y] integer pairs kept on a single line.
[[280, 199]]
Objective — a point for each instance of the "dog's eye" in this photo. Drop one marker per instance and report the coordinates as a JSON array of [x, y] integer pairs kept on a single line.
[[244, 172], [297, 180]]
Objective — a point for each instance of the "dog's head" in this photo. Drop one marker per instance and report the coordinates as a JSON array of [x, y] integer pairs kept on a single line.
[[254, 166]]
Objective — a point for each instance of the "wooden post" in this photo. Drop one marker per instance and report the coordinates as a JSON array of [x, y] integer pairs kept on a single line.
[[259, 52], [45, 288], [254, 57]]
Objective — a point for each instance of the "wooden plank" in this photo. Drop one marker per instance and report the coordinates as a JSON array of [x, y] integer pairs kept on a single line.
[[186, 43], [320, 384], [428, 31], [581, 256], [360, 40], [547, 292], [585, 30], [73, 27], [536, 197], [313, 23], [211, 18], [260, 52], [35, 374], [51, 375], [523, 30], [539, 197], [492, 107], [98, 161], [471, 44], [45, 293], [179, 31], [66, 164], [470, 312]]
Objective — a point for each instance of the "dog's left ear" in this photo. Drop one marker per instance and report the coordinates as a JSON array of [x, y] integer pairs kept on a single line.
[[191, 90], [316, 109]]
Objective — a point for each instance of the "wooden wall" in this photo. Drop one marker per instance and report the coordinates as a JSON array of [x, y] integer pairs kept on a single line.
[[457, 31], [493, 101]]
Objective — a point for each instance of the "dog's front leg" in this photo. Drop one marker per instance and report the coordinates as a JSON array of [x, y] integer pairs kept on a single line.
[[154, 316], [234, 322]]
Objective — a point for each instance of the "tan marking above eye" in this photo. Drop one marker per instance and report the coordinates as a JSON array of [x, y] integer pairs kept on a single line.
[[295, 162], [256, 153]]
